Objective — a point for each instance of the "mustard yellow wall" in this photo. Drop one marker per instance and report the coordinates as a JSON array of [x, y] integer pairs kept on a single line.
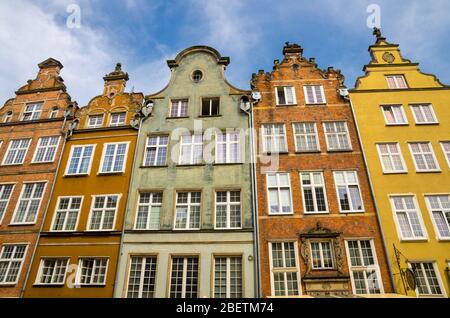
[[373, 129]]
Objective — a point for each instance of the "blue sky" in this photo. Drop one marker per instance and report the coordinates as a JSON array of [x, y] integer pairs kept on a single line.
[[143, 34]]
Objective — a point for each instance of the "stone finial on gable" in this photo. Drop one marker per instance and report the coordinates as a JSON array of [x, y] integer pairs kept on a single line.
[[115, 82]]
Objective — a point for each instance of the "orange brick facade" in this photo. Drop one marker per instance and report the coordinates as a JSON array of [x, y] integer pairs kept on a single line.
[[301, 228], [48, 88]]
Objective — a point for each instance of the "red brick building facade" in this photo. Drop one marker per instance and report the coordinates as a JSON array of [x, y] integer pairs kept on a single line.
[[32, 131], [318, 227]]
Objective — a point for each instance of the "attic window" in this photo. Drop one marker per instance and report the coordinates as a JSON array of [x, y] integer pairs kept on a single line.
[[32, 111], [210, 106], [197, 76], [8, 116], [54, 112]]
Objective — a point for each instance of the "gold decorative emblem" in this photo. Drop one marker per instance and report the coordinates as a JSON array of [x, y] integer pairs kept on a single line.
[[388, 57]]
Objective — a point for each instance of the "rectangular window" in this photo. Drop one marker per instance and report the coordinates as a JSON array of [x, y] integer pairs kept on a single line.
[[284, 269], [210, 106], [103, 213], [337, 136], [391, 158], [314, 194], [53, 113], [184, 277], [32, 111], [274, 138], [285, 95], [191, 150], [179, 108], [439, 207], [348, 191], [364, 269], [321, 255], [52, 271], [156, 151], [306, 138], [95, 121], [66, 215], [142, 277], [187, 214], [394, 115], [92, 271], [228, 210], [427, 278], [118, 119], [424, 114], [228, 147], [314, 94], [17, 150], [228, 277], [11, 260], [80, 159], [5, 195], [114, 157], [7, 117], [279, 192], [149, 211], [409, 220], [396, 82], [446, 149], [46, 149], [423, 155], [29, 202]]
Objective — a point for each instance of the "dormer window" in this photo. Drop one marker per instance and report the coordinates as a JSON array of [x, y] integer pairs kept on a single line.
[[95, 121], [53, 112], [396, 82], [285, 95], [210, 106], [32, 112], [7, 117], [117, 119]]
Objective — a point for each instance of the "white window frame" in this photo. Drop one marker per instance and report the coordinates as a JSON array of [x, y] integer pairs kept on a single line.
[[438, 168], [390, 154], [184, 277], [272, 136], [91, 212], [158, 147], [441, 210], [179, 102], [321, 242], [116, 146], [7, 117], [397, 121], [228, 205], [228, 274], [7, 201], [96, 125], [420, 108], [228, 149], [14, 163], [446, 153], [149, 205], [438, 277], [315, 96], [396, 78], [16, 210], [347, 184], [142, 274], [347, 134], [365, 268], [94, 268], [53, 113], [284, 270], [66, 213], [46, 149], [189, 204], [192, 145], [313, 186], [305, 135], [294, 97], [33, 111], [291, 212], [41, 267], [88, 172], [10, 260], [419, 216], [117, 123]]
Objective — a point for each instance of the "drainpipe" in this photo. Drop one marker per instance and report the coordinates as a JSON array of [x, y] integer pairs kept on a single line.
[[372, 192], [27, 275]]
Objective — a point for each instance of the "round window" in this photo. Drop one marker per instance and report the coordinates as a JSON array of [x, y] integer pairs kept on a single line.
[[197, 76]]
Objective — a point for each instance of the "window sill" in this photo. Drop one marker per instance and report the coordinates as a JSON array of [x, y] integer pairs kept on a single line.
[[275, 153], [21, 224], [110, 173], [352, 212], [12, 164], [228, 164], [316, 213], [41, 163], [414, 240], [153, 167], [340, 150], [318, 104], [427, 124], [307, 152], [287, 105], [12, 284], [191, 165], [429, 171], [181, 117], [209, 116], [185, 230], [76, 175], [49, 285], [395, 172], [280, 214], [393, 125]]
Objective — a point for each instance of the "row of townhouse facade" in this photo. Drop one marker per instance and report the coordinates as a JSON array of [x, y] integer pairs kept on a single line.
[[295, 187]]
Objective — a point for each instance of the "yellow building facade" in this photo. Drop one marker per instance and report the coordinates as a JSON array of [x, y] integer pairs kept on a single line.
[[79, 244], [403, 118]]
